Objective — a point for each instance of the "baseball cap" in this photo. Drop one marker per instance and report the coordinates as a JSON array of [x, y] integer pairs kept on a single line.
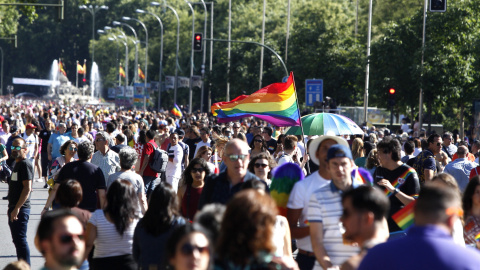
[[13, 129], [30, 126], [313, 147], [339, 151]]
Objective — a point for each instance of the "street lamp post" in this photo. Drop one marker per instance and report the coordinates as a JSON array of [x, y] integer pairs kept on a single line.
[[116, 23], [93, 11], [126, 52], [191, 59], [102, 32], [204, 53], [146, 45], [161, 53], [176, 52]]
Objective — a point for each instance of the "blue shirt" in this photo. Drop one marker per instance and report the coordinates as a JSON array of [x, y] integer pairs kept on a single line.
[[460, 170], [424, 247], [57, 140]]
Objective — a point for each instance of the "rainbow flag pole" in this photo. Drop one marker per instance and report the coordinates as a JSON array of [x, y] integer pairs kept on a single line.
[[301, 125]]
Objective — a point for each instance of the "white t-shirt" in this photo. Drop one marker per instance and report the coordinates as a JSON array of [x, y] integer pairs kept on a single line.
[[299, 198], [31, 141]]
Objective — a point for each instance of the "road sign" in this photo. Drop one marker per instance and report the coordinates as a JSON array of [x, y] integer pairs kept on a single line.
[[313, 91], [285, 79]]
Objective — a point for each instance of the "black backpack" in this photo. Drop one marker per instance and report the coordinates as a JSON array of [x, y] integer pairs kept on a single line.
[[159, 160]]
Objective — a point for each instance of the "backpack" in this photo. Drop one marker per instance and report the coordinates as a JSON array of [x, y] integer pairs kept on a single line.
[[159, 160]]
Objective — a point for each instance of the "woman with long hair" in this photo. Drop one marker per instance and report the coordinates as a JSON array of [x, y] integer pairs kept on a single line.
[[206, 153], [471, 208], [258, 145], [191, 186], [154, 228], [189, 248], [139, 144], [111, 230], [357, 149]]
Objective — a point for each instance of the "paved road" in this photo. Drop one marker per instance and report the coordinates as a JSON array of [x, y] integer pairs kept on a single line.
[[7, 249]]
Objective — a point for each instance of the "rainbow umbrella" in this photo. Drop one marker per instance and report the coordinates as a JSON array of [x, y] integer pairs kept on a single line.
[[326, 124]]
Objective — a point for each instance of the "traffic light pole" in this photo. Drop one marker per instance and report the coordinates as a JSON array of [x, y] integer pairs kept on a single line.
[[420, 106]]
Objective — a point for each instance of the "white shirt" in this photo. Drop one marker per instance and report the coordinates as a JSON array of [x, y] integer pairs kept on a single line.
[[31, 142], [200, 144], [299, 198], [175, 168]]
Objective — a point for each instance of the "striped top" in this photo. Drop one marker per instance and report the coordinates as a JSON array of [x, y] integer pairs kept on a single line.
[[109, 242], [326, 206]]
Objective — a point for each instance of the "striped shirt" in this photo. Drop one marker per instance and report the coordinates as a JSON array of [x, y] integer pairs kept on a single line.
[[109, 242], [326, 206]]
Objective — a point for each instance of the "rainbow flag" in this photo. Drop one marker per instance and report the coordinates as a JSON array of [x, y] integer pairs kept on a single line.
[[361, 176], [283, 179], [400, 180], [176, 111], [477, 237], [405, 216], [275, 103]]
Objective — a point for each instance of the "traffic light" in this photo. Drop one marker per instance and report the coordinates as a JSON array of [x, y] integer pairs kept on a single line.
[[84, 81], [61, 10], [391, 96], [197, 42], [438, 5]]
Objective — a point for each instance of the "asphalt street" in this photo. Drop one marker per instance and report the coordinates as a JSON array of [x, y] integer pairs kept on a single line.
[[7, 249]]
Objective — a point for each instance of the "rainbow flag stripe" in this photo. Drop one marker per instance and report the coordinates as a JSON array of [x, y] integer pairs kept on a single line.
[[362, 177], [397, 183], [275, 103], [176, 111], [477, 237], [405, 216]]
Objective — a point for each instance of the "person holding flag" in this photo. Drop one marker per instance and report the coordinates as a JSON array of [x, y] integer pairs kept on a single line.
[[176, 111]]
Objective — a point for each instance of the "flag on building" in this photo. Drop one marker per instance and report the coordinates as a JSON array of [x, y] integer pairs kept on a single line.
[[275, 103], [176, 111], [140, 73], [60, 68], [121, 71]]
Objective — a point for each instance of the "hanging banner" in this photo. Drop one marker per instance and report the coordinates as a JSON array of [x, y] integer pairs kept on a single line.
[[183, 82], [129, 91], [197, 81], [169, 82]]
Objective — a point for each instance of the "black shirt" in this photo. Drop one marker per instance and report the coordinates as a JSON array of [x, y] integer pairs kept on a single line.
[[22, 171], [192, 144], [45, 135], [272, 145], [90, 177], [410, 186]]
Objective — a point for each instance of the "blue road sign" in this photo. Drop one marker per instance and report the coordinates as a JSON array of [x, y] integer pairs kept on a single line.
[[285, 79], [313, 91]]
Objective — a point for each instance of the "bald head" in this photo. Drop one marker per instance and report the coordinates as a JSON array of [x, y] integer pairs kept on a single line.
[[236, 157], [236, 144], [462, 151]]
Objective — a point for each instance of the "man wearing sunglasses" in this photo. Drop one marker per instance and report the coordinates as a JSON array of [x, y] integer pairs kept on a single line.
[[60, 239], [425, 161], [19, 190], [221, 188], [429, 243]]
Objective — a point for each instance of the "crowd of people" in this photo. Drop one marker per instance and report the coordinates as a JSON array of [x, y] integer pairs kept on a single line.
[[220, 201]]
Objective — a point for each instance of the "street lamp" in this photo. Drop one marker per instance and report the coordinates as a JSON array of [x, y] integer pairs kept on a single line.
[[204, 53], [191, 59], [102, 32], [161, 52], [117, 23], [93, 11], [126, 51], [176, 52], [146, 45]]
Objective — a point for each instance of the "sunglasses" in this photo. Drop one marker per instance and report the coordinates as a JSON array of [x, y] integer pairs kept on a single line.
[[68, 238], [258, 165], [72, 148], [258, 141], [439, 144], [237, 157], [199, 170], [18, 148], [100, 140], [188, 249]]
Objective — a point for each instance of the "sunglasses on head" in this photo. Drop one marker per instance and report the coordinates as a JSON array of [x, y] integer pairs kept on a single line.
[[18, 148], [188, 249], [199, 170], [258, 165], [68, 238], [237, 157]]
